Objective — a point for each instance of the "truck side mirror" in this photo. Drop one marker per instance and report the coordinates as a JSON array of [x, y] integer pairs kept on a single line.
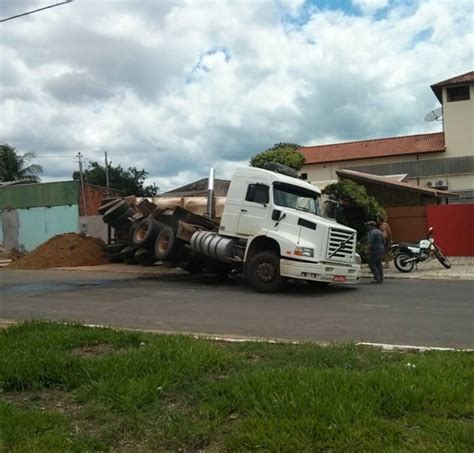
[[276, 214]]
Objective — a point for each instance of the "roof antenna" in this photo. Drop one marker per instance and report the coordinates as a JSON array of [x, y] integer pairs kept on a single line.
[[434, 115]]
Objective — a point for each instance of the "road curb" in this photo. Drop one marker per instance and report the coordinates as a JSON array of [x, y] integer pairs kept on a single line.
[[4, 323]]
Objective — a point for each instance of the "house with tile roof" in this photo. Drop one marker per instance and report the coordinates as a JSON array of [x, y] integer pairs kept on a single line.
[[442, 160]]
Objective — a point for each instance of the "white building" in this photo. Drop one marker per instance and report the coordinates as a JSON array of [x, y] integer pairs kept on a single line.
[[438, 160]]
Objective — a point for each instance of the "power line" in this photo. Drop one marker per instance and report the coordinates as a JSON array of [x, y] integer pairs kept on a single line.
[[35, 10], [53, 157]]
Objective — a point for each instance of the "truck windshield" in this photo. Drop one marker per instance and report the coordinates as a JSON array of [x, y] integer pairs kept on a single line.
[[295, 197]]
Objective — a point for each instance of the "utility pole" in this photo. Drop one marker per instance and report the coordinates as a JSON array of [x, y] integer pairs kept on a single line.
[[106, 171], [79, 157]]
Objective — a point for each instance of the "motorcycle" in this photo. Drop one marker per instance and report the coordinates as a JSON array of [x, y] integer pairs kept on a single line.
[[407, 255]]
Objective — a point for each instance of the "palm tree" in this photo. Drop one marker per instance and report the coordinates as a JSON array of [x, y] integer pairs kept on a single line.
[[14, 166]]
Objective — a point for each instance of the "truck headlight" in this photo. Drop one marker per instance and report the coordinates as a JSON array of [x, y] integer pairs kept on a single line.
[[304, 251], [357, 259]]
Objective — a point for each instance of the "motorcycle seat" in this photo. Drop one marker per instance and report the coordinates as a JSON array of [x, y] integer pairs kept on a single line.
[[406, 244]]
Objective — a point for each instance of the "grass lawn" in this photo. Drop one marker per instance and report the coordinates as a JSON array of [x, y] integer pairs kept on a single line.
[[73, 388]]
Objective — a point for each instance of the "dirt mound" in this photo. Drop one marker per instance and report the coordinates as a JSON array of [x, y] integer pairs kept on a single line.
[[64, 250]]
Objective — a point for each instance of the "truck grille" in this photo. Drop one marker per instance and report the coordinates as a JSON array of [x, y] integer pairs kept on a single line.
[[338, 237]]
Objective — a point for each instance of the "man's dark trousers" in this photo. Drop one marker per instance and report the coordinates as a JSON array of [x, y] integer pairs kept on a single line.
[[376, 266]]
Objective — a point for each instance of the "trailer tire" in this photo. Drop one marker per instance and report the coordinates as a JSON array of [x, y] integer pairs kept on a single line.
[[145, 257], [167, 246], [263, 272], [122, 220], [114, 257], [193, 266], [116, 248], [129, 251], [116, 211], [106, 206], [146, 232]]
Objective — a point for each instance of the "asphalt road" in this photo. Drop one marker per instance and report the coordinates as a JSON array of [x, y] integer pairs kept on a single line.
[[422, 313]]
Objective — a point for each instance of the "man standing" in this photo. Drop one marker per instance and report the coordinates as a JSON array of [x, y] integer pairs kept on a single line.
[[384, 227], [376, 250]]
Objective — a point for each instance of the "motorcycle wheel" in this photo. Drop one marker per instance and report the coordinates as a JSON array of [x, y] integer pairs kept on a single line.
[[441, 258], [402, 263]]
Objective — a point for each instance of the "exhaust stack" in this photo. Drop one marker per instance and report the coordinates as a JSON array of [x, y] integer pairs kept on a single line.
[[210, 195]]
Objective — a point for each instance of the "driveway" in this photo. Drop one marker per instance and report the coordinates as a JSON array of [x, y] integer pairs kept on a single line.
[[408, 312]]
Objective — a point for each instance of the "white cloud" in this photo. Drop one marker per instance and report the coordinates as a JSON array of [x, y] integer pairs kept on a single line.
[[371, 6], [177, 87]]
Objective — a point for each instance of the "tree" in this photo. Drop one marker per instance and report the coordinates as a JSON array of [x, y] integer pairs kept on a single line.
[[130, 182], [283, 153], [14, 166], [355, 206]]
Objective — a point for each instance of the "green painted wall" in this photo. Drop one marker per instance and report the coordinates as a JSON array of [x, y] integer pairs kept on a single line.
[[37, 225], [40, 195]]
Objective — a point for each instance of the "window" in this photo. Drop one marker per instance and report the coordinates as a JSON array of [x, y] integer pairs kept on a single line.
[[258, 193], [296, 197], [458, 93], [304, 176]]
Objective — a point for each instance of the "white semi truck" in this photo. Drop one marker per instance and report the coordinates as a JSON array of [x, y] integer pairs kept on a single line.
[[270, 230]]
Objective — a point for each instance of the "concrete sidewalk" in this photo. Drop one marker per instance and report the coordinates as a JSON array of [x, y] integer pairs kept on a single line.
[[462, 268]]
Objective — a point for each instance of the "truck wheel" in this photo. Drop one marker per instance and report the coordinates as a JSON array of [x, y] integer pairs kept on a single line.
[[128, 251], [146, 232], [145, 257], [121, 221], [193, 266], [114, 257], [116, 211], [167, 246], [263, 272], [116, 248]]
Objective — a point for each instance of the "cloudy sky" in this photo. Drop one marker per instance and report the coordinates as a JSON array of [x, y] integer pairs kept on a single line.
[[175, 87]]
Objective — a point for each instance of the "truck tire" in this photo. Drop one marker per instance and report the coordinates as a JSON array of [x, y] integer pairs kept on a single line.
[[145, 257], [115, 248], [129, 251], [167, 246], [146, 232], [263, 272], [193, 266], [122, 220], [106, 206], [116, 211], [114, 257]]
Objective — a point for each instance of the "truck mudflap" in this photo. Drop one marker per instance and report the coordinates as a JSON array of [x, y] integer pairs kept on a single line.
[[321, 272]]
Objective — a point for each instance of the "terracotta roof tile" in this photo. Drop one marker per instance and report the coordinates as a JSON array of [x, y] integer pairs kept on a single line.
[[383, 147]]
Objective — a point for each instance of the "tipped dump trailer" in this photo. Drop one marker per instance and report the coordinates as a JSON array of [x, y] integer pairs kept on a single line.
[[268, 228]]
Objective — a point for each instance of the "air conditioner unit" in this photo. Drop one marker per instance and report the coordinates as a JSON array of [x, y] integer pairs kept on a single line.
[[441, 184], [429, 183]]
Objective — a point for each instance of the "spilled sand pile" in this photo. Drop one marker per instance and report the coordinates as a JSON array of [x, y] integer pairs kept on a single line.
[[64, 250]]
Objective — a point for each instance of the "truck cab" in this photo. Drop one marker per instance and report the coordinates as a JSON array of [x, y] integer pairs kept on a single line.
[[277, 218]]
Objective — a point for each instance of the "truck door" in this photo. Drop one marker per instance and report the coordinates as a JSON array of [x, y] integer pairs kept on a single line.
[[254, 210]]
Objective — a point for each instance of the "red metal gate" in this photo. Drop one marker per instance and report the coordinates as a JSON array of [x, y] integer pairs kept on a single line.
[[407, 224], [453, 228]]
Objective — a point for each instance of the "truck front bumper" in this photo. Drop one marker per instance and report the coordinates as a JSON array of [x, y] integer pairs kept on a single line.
[[321, 272]]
